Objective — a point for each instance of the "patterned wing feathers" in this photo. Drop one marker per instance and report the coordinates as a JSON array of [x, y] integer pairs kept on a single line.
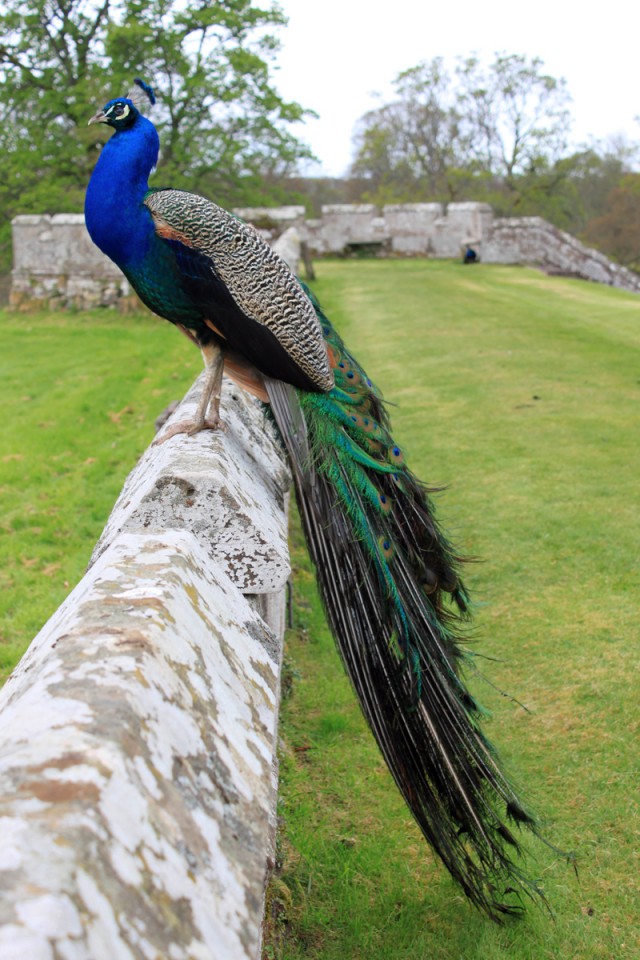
[[256, 278]]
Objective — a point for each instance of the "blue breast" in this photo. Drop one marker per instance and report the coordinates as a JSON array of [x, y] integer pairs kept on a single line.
[[120, 224]]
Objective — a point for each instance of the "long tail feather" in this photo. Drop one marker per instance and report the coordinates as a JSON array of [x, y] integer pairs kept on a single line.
[[393, 595]]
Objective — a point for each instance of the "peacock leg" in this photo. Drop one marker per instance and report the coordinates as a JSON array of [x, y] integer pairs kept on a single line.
[[208, 413], [210, 398]]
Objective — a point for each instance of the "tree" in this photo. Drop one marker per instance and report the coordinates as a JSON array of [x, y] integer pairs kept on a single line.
[[482, 132], [220, 118], [575, 190], [222, 123], [417, 143], [516, 115], [617, 232], [598, 170]]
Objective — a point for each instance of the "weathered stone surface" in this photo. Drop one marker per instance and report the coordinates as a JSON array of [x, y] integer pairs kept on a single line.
[[411, 226], [137, 743], [222, 486], [534, 241], [347, 225], [283, 216], [463, 223], [55, 263], [138, 762]]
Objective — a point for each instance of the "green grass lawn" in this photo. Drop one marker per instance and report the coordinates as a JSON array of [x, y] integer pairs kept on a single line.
[[518, 391]]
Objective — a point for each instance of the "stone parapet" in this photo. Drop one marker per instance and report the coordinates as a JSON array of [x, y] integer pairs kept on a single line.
[[278, 216], [345, 227], [463, 224], [138, 734], [411, 227], [56, 265], [536, 242]]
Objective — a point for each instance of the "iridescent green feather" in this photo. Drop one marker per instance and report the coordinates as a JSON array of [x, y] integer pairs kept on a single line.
[[391, 586]]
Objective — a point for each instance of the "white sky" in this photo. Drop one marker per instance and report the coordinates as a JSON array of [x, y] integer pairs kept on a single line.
[[336, 53]]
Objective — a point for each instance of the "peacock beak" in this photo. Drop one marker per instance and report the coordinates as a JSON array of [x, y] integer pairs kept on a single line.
[[100, 117]]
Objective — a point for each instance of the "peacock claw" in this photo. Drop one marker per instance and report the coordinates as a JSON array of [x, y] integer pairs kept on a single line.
[[191, 428], [215, 423]]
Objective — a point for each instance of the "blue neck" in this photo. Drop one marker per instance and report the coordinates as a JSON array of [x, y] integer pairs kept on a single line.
[[116, 218]]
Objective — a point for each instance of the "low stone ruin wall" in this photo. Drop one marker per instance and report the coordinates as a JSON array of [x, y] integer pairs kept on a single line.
[[55, 263], [532, 240]]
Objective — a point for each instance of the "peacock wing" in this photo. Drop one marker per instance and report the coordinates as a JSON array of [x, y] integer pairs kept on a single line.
[[243, 287]]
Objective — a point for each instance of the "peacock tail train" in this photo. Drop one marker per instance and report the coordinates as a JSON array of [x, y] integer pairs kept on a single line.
[[392, 591]]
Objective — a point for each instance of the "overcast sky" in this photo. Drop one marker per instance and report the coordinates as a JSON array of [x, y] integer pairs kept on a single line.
[[337, 53]]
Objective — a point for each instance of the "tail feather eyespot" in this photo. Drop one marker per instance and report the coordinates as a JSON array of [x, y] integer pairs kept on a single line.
[[395, 454], [386, 547]]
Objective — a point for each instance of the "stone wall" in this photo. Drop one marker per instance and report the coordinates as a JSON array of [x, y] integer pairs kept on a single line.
[[431, 230], [56, 264], [534, 241], [138, 734]]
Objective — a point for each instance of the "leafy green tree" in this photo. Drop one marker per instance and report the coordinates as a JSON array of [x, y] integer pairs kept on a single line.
[[223, 126], [417, 144], [481, 132], [597, 171], [516, 116], [221, 120], [617, 232], [576, 189]]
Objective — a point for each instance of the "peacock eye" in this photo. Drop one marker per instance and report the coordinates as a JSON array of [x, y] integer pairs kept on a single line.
[[119, 111]]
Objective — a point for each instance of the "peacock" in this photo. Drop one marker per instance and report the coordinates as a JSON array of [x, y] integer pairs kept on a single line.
[[389, 579]]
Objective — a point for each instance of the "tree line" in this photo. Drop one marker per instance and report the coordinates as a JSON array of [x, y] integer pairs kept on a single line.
[[499, 133], [496, 133]]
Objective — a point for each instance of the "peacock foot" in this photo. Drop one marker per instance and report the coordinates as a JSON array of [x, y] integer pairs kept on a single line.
[[191, 428]]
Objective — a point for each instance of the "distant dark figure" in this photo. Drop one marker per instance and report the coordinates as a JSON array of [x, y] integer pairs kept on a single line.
[[470, 256]]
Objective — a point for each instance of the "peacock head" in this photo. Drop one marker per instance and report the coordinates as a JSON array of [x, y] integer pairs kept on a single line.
[[123, 112]]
